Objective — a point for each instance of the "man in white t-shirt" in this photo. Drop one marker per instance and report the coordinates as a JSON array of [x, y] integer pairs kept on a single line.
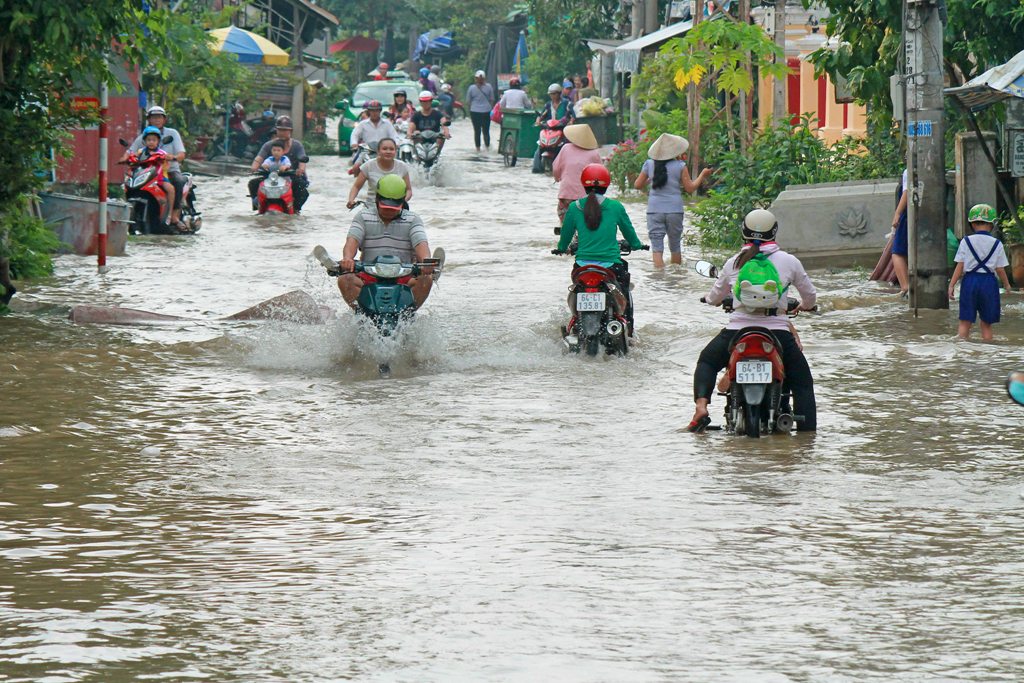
[[515, 97], [370, 131]]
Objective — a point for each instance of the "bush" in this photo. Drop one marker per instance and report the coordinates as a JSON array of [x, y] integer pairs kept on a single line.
[[26, 242]]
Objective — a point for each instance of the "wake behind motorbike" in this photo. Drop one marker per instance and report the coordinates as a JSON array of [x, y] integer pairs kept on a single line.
[[550, 141], [757, 399], [386, 296], [601, 308], [425, 147], [150, 204]]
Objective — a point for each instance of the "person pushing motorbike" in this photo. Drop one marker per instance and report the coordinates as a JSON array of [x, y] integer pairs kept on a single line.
[[386, 229], [759, 230]]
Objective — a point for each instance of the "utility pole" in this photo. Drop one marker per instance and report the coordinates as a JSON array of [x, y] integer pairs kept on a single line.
[[693, 102], [925, 126], [779, 84]]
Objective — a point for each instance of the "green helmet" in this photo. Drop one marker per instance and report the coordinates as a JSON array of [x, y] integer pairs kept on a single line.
[[981, 213], [391, 186]]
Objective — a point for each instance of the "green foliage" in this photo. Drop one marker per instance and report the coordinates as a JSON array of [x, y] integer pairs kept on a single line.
[[978, 35], [1012, 233], [782, 155], [558, 43], [26, 241]]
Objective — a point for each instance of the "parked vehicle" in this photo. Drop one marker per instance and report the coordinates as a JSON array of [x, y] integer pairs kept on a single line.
[[551, 140], [386, 297], [352, 108], [599, 320], [756, 398]]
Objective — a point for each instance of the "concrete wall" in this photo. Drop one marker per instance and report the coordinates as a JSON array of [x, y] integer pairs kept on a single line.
[[836, 224], [975, 178]]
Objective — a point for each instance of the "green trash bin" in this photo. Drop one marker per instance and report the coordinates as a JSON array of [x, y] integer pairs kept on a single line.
[[605, 128], [519, 134]]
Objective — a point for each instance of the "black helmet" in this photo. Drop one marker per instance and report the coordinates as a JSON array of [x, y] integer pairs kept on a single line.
[[760, 225], [283, 122]]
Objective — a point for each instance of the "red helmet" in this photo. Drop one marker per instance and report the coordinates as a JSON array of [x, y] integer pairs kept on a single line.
[[383, 66], [372, 104], [595, 175]]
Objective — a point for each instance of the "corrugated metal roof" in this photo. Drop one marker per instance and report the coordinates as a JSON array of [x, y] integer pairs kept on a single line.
[[627, 55], [998, 83]]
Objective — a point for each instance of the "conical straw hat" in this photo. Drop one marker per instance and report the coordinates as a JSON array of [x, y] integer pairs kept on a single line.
[[668, 146], [581, 135]]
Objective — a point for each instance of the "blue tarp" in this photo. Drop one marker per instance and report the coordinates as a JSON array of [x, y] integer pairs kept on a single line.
[[438, 43]]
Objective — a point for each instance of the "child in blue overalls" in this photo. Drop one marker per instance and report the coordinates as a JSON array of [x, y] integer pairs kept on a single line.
[[980, 259]]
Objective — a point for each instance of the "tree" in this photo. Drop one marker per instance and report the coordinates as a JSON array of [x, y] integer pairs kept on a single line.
[[561, 28], [869, 33]]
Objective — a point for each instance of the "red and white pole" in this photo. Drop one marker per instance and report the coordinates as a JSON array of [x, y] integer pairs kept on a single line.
[[101, 233]]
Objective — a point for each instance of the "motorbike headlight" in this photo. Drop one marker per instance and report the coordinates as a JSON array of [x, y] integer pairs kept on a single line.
[[142, 178], [388, 271]]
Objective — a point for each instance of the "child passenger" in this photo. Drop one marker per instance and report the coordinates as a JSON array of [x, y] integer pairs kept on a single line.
[[277, 161], [151, 139], [979, 260]]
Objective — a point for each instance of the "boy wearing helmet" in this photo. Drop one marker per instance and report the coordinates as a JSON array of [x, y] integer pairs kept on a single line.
[[758, 229], [386, 229], [152, 154], [428, 118], [979, 259]]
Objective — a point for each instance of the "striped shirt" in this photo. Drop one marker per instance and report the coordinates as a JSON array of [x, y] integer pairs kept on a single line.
[[398, 238]]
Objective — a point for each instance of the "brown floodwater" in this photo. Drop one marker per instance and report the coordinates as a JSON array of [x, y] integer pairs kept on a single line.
[[249, 501]]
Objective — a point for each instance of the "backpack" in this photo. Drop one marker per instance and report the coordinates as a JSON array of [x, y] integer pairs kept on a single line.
[[758, 285]]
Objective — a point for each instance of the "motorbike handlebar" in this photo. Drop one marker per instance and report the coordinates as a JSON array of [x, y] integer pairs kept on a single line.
[[624, 249]]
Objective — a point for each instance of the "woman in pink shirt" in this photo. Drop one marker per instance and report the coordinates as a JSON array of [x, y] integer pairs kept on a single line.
[[577, 154]]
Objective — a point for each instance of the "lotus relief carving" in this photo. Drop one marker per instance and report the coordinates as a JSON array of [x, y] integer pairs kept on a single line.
[[852, 222]]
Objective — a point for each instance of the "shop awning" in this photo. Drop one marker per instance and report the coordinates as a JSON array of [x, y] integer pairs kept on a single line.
[[998, 83], [627, 55], [603, 45], [354, 44]]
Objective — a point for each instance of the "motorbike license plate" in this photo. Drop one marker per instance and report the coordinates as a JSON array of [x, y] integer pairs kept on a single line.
[[753, 372], [590, 301]]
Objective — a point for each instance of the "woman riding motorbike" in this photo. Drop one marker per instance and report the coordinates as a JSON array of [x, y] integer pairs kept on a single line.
[[401, 108], [759, 229], [597, 220]]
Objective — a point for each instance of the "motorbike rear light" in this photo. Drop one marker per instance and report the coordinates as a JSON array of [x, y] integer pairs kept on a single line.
[[591, 279], [741, 347], [767, 346]]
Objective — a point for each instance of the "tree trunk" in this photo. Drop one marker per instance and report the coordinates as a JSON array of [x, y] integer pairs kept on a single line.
[[746, 101], [779, 87], [693, 107]]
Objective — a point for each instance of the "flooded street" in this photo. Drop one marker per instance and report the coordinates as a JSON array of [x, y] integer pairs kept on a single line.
[[248, 501]]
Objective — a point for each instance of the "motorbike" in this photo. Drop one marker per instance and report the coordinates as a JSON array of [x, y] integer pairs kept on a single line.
[[150, 205], [275, 192], [405, 146], [599, 320], [551, 141], [757, 400], [386, 297], [245, 137], [425, 147], [366, 151]]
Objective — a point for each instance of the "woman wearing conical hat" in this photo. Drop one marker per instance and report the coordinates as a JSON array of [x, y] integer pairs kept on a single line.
[[577, 154], [666, 173]]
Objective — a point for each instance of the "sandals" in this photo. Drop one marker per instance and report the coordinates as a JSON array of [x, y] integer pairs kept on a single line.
[[699, 425]]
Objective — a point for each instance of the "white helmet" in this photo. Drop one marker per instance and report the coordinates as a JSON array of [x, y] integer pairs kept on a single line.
[[554, 87], [156, 110], [426, 96], [447, 87], [760, 225]]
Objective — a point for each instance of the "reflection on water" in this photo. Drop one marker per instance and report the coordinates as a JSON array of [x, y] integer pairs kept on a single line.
[[246, 501]]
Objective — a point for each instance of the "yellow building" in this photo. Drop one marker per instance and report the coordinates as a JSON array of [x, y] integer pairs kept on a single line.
[[806, 94]]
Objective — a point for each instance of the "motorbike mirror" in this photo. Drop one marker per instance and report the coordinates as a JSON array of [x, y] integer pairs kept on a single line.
[[706, 269], [124, 143], [1015, 386], [558, 229], [341, 104], [167, 140], [303, 160]]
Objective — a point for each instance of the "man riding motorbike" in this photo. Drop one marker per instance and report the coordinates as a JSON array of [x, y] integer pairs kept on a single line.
[[759, 229], [557, 108], [597, 221], [386, 229], [296, 152], [428, 118], [369, 131], [157, 118]]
